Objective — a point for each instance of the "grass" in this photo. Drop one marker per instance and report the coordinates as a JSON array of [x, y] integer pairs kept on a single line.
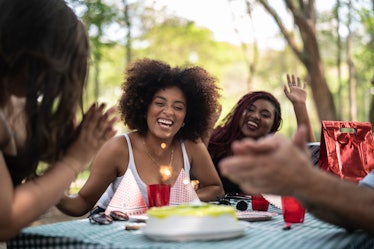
[[76, 185]]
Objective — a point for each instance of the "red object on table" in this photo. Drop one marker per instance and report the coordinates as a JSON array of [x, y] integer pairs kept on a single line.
[[158, 195], [347, 149], [259, 203], [293, 211]]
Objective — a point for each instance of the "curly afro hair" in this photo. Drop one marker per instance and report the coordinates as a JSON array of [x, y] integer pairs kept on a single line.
[[144, 77]]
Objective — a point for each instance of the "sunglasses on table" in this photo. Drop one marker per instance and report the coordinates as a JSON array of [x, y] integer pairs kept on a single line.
[[241, 202], [103, 219]]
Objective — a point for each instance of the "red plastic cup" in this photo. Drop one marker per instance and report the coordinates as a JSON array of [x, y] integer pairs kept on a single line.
[[293, 211], [158, 195], [259, 203]]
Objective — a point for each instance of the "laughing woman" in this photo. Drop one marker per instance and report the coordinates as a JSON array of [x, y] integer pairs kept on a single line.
[[166, 109], [256, 115]]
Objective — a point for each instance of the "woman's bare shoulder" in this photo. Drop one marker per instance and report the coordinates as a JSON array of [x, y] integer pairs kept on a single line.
[[113, 154], [115, 146], [194, 147]]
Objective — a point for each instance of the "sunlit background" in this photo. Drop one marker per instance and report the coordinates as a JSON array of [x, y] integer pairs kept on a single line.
[[239, 42]]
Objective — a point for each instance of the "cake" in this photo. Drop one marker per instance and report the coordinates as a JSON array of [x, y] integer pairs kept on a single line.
[[193, 222]]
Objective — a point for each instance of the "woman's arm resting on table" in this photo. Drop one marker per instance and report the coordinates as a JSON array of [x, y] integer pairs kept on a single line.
[[110, 159], [25, 203]]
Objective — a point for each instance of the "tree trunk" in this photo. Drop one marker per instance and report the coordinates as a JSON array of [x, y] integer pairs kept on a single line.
[[253, 61], [351, 70], [309, 55], [339, 59]]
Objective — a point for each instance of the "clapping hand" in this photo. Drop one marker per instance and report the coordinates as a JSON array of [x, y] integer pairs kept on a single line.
[[95, 129]]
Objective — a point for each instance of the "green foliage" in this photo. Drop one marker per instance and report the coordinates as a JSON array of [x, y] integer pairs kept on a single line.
[[365, 53], [364, 56], [181, 43], [159, 34]]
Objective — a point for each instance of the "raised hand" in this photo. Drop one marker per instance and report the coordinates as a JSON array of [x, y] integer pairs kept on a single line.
[[295, 91]]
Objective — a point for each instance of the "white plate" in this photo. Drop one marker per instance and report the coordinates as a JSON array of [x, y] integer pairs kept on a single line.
[[255, 215], [200, 235], [276, 200]]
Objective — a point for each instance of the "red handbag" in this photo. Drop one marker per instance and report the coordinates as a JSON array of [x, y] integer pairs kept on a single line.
[[347, 149]]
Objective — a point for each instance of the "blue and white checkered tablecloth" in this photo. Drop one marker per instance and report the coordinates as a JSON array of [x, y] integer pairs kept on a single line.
[[312, 234]]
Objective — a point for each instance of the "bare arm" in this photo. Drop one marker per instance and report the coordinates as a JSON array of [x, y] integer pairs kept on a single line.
[[342, 203], [296, 93], [202, 168], [106, 167], [25, 203]]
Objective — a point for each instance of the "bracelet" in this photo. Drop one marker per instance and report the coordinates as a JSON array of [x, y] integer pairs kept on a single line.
[[71, 166]]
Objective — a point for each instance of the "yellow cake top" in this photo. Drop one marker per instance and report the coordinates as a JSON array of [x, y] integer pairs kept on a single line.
[[191, 210]]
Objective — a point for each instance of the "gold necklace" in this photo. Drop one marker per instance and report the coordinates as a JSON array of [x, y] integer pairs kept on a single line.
[[151, 157]]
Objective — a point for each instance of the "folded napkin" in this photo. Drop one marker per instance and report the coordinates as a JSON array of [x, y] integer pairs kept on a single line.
[[275, 200]]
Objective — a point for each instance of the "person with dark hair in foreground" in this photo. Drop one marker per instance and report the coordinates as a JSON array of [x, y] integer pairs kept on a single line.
[[43, 62]]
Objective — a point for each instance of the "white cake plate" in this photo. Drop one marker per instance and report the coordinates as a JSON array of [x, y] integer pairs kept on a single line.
[[199, 235]]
